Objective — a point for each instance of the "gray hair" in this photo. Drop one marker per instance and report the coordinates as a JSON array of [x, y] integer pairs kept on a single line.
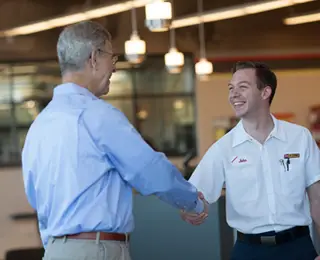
[[76, 43]]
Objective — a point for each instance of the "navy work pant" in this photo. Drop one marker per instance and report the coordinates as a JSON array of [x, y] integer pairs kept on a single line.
[[299, 249]]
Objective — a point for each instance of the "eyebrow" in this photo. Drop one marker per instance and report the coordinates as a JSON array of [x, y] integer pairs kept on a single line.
[[247, 82]]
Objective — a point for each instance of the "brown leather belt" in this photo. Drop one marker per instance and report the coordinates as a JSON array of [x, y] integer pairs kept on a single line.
[[103, 236]]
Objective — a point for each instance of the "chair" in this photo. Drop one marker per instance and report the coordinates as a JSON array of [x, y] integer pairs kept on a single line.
[[25, 253]]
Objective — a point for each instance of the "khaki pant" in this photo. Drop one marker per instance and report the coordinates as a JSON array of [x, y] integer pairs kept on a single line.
[[82, 249]]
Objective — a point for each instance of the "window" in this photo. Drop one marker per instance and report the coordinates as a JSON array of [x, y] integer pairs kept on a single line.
[[160, 105], [25, 89], [168, 123]]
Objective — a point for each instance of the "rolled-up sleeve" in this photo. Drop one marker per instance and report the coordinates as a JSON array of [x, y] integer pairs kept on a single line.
[[209, 175], [312, 164], [146, 170]]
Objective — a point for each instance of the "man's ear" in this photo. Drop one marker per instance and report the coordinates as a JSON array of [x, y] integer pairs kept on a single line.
[[266, 93], [93, 59]]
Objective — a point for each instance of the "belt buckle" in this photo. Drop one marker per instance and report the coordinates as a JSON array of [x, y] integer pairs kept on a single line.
[[269, 240], [127, 237]]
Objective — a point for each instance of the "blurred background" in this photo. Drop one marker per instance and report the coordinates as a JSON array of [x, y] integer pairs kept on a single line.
[[174, 66]]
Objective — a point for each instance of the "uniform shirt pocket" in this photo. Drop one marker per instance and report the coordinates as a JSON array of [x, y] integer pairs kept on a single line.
[[241, 180], [292, 177]]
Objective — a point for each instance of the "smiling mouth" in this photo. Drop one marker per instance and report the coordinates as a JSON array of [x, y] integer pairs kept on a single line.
[[238, 104]]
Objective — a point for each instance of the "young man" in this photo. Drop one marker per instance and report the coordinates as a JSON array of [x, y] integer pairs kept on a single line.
[[268, 166]]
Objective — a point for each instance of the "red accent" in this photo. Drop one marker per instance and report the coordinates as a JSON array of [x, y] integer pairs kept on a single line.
[[285, 116], [264, 57], [234, 159], [315, 107], [315, 124]]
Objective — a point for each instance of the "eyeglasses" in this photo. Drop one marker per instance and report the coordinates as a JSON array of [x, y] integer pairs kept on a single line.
[[114, 57]]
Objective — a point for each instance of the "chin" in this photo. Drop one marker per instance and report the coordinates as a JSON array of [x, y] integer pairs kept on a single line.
[[106, 92], [241, 111], [240, 114]]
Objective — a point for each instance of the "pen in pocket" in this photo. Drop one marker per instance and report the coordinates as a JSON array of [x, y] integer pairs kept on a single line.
[[283, 164]]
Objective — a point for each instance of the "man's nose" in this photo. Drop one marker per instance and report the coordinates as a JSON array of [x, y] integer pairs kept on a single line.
[[235, 94]]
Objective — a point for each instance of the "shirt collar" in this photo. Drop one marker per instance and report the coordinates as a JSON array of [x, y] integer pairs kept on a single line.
[[72, 88], [240, 135]]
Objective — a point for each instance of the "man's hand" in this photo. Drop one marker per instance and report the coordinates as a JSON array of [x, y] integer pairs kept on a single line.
[[194, 218], [317, 258]]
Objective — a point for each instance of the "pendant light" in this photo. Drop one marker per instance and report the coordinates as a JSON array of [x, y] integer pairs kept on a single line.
[[174, 60], [203, 67], [158, 15], [135, 48]]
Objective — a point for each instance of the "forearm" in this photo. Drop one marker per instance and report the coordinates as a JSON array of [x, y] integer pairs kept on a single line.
[[314, 199], [182, 198], [317, 227], [147, 171], [161, 178], [315, 213]]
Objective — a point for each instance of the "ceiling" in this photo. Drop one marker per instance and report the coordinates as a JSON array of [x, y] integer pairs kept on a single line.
[[259, 34]]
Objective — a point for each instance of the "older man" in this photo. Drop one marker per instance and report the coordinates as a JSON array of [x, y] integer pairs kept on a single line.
[[82, 158]]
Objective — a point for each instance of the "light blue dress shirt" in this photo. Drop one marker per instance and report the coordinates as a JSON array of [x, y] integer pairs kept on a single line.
[[82, 158]]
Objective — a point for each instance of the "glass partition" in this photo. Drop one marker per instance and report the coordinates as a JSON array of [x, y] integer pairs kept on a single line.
[[25, 89], [168, 123], [160, 105]]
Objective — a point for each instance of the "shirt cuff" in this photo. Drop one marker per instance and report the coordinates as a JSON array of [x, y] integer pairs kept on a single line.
[[314, 180], [199, 207]]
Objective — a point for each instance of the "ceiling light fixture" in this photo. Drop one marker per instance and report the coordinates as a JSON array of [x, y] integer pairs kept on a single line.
[[158, 16], [61, 21], [235, 11], [203, 67], [173, 59], [301, 19], [135, 48], [210, 16]]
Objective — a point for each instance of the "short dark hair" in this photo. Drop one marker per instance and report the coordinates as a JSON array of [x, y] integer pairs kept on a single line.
[[265, 76]]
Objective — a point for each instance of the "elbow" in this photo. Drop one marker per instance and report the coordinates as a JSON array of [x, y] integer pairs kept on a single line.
[[156, 177], [147, 188]]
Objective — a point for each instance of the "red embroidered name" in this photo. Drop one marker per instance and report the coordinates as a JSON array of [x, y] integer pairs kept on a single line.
[[242, 160]]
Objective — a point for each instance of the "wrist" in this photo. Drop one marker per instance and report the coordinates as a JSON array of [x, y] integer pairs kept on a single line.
[[199, 206]]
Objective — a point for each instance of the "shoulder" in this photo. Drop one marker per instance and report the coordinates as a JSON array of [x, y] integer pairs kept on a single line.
[[225, 141], [219, 146], [293, 129], [101, 109], [297, 135], [100, 106], [39, 122], [100, 117]]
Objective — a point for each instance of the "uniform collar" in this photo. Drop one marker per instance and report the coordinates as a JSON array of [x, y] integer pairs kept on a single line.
[[72, 88], [240, 135]]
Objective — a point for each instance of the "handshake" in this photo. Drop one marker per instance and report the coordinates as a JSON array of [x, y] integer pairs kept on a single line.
[[195, 218]]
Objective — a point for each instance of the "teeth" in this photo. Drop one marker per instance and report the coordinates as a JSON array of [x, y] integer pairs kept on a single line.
[[238, 103]]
